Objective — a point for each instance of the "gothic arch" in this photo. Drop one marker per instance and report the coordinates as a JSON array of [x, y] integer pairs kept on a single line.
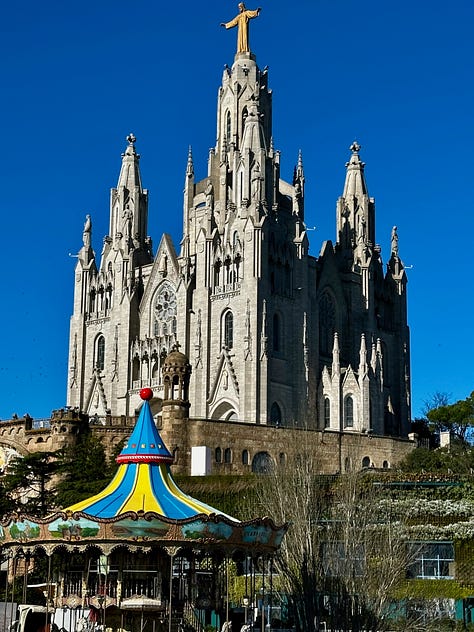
[[226, 411], [227, 329], [262, 463], [349, 410], [99, 352], [276, 417], [326, 412]]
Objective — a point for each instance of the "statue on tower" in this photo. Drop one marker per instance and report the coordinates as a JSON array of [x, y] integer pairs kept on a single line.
[[394, 242], [242, 22], [86, 234]]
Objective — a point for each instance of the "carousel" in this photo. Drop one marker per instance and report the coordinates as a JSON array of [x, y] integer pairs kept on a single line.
[[140, 556]]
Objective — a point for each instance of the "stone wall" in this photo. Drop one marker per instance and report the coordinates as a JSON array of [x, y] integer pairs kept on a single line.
[[235, 448]]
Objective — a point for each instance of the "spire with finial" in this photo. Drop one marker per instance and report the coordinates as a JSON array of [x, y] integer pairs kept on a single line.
[[130, 172], [190, 164], [362, 357], [355, 210], [129, 209], [394, 242], [298, 184], [336, 363], [355, 180], [299, 171]]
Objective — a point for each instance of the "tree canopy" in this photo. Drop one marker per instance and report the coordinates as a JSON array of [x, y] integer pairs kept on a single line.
[[27, 483], [455, 418], [85, 471]]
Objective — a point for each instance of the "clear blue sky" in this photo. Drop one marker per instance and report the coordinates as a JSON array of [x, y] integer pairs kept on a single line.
[[78, 77]]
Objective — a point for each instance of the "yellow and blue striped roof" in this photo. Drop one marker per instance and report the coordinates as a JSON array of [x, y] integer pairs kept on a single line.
[[143, 481]]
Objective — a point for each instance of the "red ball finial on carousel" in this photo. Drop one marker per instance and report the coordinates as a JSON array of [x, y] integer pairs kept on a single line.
[[146, 393]]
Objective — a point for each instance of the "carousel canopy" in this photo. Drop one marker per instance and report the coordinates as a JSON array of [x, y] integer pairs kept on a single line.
[[143, 481], [142, 504]]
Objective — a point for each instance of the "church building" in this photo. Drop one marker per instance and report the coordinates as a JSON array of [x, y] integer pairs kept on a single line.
[[274, 337]]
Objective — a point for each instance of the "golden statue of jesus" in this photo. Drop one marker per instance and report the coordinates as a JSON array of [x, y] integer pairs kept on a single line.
[[242, 22]]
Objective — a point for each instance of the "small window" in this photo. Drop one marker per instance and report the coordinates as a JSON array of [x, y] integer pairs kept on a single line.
[[245, 457], [366, 461], [327, 412], [275, 415], [100, 356], [229, 330], [218, 455], [227, 455], [228, 127], [244, 116], [282, 459], [349, 412]]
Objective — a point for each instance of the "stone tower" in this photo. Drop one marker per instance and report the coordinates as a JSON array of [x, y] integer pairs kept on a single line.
[[274, 336]]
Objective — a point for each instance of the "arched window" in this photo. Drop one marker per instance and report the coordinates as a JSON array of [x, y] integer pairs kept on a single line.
[[245, 457], [282, 459], [217, 272], [262, 463], [349, 412], [327, 412], [366, 461], [276, 333], [245, 113], [227, 455], [229, 330], [218, 455], [100, 353], [92, 300], [135, 369], [386, 465], [228, 127], [275, 415]]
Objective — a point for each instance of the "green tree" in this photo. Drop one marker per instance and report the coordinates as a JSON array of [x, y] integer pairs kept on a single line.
[[27, 483], [85, 471], [455, 418], [444, 461]]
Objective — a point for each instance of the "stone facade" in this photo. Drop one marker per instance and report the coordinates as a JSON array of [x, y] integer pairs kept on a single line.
[[276, 338], [236, 449]]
